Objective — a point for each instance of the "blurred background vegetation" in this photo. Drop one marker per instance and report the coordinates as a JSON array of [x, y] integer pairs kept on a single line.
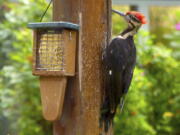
[[153, 103]]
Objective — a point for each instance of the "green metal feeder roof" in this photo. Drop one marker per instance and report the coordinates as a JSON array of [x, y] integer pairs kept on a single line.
[[45, 25]]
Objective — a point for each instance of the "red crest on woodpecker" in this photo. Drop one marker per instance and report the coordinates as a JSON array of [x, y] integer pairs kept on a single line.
[[138, 15]]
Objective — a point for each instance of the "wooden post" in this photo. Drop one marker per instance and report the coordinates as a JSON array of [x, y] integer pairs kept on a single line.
[[84, 93]]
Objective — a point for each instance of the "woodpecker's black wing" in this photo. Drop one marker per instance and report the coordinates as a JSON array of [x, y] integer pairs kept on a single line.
[[118, 60], [115, 61]]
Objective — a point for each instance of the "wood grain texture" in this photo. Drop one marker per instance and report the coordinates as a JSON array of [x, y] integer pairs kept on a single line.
[[34, 52], [52, 96], [84, 93], [70, 38]]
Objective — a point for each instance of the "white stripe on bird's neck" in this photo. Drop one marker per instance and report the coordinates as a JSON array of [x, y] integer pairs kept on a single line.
[[130, 31], [127, 34]]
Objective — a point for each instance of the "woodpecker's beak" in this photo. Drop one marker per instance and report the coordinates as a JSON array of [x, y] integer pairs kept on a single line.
[[118, 12], [121, 14]]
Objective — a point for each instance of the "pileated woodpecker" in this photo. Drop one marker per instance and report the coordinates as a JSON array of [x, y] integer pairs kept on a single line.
[[119, 60]]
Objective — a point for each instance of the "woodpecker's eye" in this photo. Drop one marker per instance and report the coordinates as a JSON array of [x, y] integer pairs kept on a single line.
[[133, 18]]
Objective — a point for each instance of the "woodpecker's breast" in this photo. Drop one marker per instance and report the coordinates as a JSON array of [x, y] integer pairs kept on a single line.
[[121, 52]]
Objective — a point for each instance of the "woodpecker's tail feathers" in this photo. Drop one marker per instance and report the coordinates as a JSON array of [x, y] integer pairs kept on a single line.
[[106, 119]]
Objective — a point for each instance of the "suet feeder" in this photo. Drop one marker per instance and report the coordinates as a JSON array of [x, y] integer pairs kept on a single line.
[[54, 53]]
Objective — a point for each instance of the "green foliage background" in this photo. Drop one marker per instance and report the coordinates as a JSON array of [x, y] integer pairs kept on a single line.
[[152, 105], [20, 109]]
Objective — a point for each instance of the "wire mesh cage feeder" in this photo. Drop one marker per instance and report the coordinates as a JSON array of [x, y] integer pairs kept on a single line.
[[54, 52], [54, 48]]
